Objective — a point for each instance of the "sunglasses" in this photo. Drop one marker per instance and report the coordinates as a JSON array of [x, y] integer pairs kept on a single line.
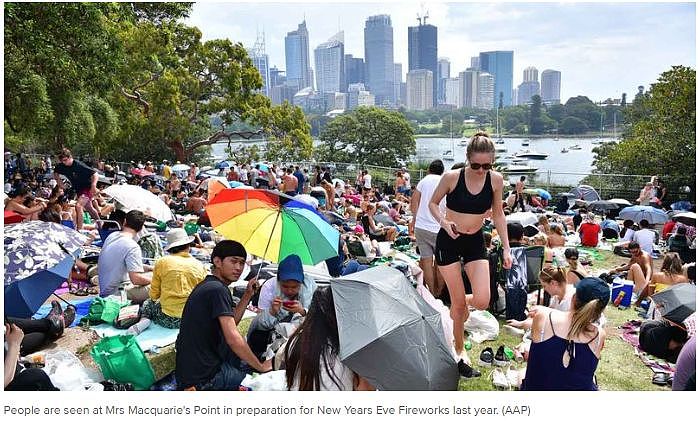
[[485, 166]]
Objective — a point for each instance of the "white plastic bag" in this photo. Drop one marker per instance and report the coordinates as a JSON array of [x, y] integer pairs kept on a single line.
[[482, 325], [273, 380], [67, 372]]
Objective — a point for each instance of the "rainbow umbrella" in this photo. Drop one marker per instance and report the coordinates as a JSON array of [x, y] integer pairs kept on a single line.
[[272, 225]]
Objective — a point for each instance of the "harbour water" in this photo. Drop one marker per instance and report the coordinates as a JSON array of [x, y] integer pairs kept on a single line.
[[565, 168]]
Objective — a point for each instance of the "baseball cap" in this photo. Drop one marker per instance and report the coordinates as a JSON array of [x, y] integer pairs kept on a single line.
[[590, 288]]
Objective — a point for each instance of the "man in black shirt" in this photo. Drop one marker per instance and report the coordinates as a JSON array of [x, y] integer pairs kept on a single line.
[[82, 178], [209, 346]]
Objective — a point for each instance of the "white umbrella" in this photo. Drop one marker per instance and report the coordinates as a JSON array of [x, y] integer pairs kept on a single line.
[[620, 202], [308, 199], [688, 218], [180, 167], [135, 198], [524, 218]]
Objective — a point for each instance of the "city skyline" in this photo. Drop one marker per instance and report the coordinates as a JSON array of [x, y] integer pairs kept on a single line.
[[613, 52]]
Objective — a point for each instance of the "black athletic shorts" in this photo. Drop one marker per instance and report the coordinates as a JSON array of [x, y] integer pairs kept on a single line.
[[469, 247]]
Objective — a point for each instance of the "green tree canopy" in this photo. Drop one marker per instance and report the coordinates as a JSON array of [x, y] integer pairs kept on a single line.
[[368, 135]]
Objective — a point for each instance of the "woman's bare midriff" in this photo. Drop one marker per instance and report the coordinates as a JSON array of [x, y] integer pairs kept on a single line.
[[467, 223]]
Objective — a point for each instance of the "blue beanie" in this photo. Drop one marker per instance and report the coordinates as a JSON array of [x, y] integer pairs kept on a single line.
[[291, 268]]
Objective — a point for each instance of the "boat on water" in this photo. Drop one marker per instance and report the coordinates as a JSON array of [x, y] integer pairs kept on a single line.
[[500, 149], [526, 142], [564, 150], [532, 154], [448, 154], [520, 168], [576, 147], [500, 140], [463, 143]]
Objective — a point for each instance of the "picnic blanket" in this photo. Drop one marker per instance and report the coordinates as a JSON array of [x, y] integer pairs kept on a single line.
[[82, 306], [630, 333], [151, 339]]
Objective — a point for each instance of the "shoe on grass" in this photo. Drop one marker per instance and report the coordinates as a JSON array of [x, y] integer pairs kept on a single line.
[[466, 371], [500, 358], [486, 357], [499, 379]]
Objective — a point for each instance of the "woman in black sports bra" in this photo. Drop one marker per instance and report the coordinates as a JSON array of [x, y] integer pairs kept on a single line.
[[472, 194]]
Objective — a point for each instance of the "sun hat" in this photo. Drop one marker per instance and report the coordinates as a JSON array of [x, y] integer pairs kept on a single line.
[[590, 288], [177, 237], [359, 229]]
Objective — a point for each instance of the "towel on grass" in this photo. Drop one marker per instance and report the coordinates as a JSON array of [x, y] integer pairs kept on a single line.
[[154, 336]]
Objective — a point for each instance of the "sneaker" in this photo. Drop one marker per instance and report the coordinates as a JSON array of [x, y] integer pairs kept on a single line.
[[512, 377], [466, 371], [486, 357], [56, 320], [500, 358], [68, 315], [499, 379], [508, 329]]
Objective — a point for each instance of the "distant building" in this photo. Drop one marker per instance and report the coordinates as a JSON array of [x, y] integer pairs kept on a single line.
[[530, 74], [500, 64], [357, 95], [335, 101], [309, 100], [422, 52], [354, 69], [282, 93], [298, 72], [444, 71], [527, 90], [378, 51], [550, 86], [475, 62], [468, 88], [420, 89], [329, 65], [397, 84], [276, 77], [485, 91], [452, 92], [261, 62]]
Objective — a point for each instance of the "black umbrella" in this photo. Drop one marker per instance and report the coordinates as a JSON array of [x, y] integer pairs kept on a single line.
[[603, 206], [677, 302]]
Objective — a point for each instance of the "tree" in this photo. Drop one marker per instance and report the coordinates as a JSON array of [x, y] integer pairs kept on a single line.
[[536, 123], [573, 125], [368, 135], [661, 138]]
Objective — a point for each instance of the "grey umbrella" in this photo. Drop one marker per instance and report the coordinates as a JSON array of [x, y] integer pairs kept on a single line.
[[677, 302], [389, 335]]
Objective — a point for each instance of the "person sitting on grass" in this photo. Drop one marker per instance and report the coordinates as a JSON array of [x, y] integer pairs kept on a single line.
[[16, 376], [280, 299], [209, 347], [671, 273], [589, 231], [312, 352], [639, 269], [556, 237], [567, 345], [554, 282], [576, 270]]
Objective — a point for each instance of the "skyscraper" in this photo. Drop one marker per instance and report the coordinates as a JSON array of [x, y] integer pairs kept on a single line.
[[485, 90], [329, 65], [298, 72], [422, 51], [420, 89], [530, 74], [260, 59], [550, 81], [475, 62], [452, 92], [444, 71], [500, 64], [468, 88], [397, 83], [354, 69], [378, 51]]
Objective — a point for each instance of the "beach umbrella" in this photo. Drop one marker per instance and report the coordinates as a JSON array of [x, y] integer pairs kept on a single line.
[[306, 198], [603, 206], [215, 185], [235, 184], [389, 335], [272, 225], [38, 259], [223, 165], [180, 167], [676, 302], [135, 198], [586, 192], [681, 205], [638, 213], [263, 167], [544, 194], [620, 202], [524, 218], [688, 218]]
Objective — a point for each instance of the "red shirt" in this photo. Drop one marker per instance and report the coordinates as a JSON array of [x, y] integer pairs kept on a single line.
[[589, 233], [668, 228]]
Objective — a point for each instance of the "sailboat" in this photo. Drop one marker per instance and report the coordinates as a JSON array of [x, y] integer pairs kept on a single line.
[[500, 140], [449, 154]]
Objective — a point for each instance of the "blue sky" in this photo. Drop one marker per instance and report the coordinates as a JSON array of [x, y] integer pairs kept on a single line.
[[602, 49]]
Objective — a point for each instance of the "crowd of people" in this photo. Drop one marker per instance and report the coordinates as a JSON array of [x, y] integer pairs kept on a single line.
[[456, 218]]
